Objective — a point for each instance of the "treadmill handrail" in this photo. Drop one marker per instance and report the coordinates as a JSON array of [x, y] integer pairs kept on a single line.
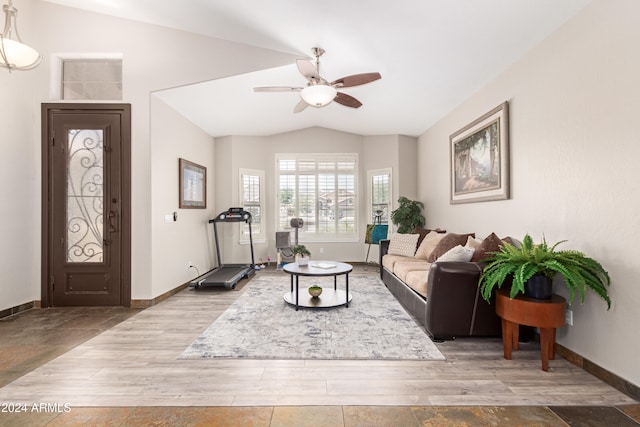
[[233, 215]]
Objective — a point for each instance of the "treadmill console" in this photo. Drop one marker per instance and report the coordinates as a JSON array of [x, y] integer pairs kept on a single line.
[[233, 215]]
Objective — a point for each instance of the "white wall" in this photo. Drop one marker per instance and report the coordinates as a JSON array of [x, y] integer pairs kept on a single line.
[[399, 153], [574, 103], [407, 168], [19, 174], [174, 244]]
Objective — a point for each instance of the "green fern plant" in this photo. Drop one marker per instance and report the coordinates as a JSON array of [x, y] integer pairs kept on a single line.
[[521, 263]]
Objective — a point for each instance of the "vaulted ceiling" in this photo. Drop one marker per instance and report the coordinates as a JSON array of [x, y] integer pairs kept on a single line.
[[432, 55]]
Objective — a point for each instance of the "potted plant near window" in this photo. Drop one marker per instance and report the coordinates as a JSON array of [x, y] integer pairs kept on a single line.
[[302, 254], [408, 215], [534, 262]]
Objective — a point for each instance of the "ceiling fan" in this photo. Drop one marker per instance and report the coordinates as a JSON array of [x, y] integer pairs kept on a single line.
[[319, 92]]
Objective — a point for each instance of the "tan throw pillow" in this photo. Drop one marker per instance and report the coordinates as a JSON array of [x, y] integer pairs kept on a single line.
[[428, 245], [472, 243], [448, 242], [422, 233], [403, 244], [491, 243], [457, 253]]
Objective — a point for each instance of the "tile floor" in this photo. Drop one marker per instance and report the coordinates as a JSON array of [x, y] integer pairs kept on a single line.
[[30, 340]]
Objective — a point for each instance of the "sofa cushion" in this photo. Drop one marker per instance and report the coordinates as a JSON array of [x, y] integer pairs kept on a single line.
[[403, 244], [491, 243], [449, 241], [402, 267], [428, 245], [457, 253], [417, 280], [389, 261]]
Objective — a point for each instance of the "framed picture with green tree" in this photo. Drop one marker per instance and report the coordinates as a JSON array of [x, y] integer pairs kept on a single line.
[[479, 154]]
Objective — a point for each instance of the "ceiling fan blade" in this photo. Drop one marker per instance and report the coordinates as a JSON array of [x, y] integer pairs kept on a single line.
[[308, 70], [356, 80], [277, 89], [300, 106], [347, 100]]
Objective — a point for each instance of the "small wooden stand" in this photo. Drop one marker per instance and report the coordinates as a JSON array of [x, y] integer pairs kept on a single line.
[[544, 314]]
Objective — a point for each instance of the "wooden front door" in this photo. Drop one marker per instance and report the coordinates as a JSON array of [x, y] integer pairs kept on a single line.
[[86, 204]]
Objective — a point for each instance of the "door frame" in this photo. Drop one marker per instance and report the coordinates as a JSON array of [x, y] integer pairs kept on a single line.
[[125, 225]]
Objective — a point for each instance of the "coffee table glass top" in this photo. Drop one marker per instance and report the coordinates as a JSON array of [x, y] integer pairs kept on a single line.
[[318, 268]]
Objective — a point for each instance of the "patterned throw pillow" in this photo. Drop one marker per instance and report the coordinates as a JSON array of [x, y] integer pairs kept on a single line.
[[457, 253], [403, 244]]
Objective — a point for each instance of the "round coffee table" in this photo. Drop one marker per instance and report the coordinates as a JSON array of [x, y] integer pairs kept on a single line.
[[329, 297]]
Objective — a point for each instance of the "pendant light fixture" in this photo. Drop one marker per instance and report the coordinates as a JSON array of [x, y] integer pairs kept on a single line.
[[15, 55]]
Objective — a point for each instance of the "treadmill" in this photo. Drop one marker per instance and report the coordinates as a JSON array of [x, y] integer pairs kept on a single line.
[[228, 275]]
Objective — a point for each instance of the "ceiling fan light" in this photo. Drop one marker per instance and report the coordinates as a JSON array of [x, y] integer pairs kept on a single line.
[[318, 95]]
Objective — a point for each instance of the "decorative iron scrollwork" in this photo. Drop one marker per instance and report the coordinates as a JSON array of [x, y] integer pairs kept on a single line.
[[85, 202]]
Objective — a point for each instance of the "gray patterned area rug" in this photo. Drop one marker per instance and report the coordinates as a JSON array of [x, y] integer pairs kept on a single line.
[[261, 325]]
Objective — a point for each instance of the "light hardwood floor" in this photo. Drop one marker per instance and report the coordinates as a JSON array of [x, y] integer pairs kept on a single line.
[[135, 364]]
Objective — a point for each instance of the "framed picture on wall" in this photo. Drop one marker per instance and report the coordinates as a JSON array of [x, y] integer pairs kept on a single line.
[[193, 185], [479, 155]]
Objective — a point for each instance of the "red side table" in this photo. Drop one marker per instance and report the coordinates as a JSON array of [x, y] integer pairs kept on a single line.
[[521, 310]]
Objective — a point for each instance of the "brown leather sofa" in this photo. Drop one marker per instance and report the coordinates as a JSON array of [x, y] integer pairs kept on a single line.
[[453, 306]]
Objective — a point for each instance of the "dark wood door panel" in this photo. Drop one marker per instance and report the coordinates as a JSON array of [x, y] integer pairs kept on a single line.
[[87, 289], [87, 249]]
